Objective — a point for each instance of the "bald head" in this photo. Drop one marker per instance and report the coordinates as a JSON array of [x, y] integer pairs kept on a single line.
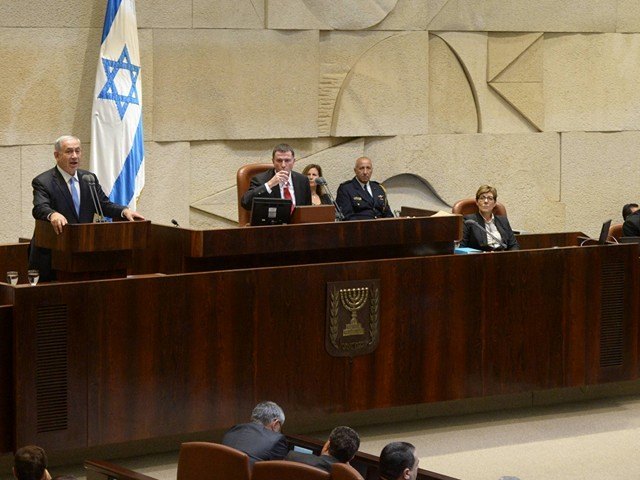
[[363, 169]]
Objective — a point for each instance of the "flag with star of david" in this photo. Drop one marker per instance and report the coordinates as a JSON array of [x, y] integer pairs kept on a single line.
[[117, 143]]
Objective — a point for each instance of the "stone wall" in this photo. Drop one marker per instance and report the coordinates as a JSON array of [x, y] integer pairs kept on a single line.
[[540, 99]]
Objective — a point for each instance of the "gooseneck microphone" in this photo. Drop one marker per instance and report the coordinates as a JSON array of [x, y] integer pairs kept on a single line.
[[90, 180], [175, 222], [476, 224], [320, 181]]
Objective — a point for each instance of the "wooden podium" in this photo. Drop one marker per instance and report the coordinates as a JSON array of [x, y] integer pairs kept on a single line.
[[89, 251]]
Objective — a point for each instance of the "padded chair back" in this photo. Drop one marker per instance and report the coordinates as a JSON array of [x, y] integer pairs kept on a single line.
[[344, 471], [200, 460], [469, 206], [285, 470], [615, 231], [243, 180]]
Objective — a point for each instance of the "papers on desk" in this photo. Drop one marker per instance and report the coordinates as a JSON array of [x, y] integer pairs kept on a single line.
[[465, 250]]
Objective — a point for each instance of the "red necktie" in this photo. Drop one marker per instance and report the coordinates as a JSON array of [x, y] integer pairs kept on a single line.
[[287, 195]]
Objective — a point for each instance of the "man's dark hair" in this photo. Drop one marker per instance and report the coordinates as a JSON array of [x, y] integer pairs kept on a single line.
[[282, 148], [30, 463], [394, 458], [627, 210], [343, 443]]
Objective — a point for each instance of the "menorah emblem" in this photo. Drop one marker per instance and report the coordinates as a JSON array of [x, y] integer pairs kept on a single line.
[[353, 299]]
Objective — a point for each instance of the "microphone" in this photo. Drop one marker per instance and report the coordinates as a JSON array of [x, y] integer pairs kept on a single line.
[[173, 220], [90, 180], [476, 224], [320, 181]]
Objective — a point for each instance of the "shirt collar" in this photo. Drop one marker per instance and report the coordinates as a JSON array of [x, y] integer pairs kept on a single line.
[[66, 176]]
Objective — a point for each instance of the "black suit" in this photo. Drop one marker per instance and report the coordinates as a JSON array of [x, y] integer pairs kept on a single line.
[[323, 462], [357, 204], [475, 237], [51, 194], [631, 226], [258, 442], [301, 189]]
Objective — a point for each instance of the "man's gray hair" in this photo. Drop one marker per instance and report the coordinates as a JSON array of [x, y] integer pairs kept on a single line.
[[58, 144], [267, 412]]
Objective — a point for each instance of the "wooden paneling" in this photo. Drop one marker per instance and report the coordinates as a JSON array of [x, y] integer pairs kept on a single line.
[[165, 355], [6, 379]]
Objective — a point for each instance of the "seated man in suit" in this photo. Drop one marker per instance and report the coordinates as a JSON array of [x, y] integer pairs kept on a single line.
[[398, 461], [60, 196], [30, 463], [342, 445], [280, 181], [499, 236], [260, 439], [631, 225], [361, 198]]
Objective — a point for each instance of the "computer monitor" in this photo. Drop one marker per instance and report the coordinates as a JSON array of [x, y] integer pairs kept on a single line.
[[604, 233], [270, 211]]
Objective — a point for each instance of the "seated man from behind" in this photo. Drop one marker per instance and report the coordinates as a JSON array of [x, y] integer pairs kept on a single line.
[[398, 461], [30, 463], [260, 439], [342, 445]]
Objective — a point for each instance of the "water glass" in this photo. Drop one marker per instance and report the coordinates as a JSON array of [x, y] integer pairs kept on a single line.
[[12, 277], [33, 276]]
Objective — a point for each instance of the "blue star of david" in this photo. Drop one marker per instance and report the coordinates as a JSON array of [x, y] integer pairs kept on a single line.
[[110, 91]]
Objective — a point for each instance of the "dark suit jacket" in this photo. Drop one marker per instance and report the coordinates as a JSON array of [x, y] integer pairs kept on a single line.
[[631, 226], [323, 462], [51, 194], [300, 182], [475, 237], [256, 441], [356, 203]]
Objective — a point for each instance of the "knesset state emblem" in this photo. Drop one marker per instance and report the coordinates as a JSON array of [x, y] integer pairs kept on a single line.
[[353, 317]]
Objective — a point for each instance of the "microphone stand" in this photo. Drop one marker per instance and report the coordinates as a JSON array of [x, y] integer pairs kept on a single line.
[[323, 183], [90, 180]]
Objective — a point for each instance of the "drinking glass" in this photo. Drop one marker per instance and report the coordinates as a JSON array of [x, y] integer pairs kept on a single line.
[[33, 276], [12, 277]]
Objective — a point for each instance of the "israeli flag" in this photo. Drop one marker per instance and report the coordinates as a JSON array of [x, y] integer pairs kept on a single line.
[[117, 140]]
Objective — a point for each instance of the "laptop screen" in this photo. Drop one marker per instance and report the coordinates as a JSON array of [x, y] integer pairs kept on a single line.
[[604, 233], [270, 211]]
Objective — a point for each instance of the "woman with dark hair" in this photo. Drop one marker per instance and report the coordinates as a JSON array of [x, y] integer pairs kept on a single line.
[[318, 194], [484, 230]]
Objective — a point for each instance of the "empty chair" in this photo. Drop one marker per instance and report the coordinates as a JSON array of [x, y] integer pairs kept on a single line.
[[344, 471], [200, 460], [284, 470]]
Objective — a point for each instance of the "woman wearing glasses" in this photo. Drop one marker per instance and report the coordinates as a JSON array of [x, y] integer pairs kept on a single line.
[[484, 230]]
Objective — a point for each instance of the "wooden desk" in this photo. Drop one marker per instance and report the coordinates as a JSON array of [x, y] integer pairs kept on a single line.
[[175, 250], [163, 355]]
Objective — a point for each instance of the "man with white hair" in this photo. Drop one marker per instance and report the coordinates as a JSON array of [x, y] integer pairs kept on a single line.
[[260, 439]]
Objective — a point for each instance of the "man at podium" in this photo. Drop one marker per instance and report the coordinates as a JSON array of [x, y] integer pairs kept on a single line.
[[62, 195]]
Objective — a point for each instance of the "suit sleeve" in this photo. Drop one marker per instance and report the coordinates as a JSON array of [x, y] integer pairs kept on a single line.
[[307, 192], [280, 449], [344, 202], [512, 243], [256, 189], [41, 200], [629, 228], [466, 234]]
